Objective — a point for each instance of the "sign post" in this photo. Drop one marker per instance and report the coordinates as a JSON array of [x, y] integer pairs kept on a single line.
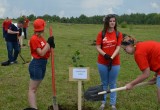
[[79, 74]]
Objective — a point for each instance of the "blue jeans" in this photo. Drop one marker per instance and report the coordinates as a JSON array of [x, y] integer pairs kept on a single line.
[[108, 79], [37, 69], [13, 50], [158, 81]]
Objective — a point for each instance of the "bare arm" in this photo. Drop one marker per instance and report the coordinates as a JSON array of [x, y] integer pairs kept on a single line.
[[12, 32], [145, 74], [98, 47], [115, 52], [153, 80], [42, 52], [103, 53]]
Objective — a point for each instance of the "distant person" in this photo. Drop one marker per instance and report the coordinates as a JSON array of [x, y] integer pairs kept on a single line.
[[108, 45], [147, 57], [5, 25], [25, 26], [40, 50], [12, 42]]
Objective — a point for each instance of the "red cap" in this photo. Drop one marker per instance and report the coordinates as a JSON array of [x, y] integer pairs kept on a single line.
[[39, 25]]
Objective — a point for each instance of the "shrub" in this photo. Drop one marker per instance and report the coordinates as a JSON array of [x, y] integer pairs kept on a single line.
[[123, 24]]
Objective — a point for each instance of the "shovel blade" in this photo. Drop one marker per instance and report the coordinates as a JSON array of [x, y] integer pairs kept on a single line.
[[55, 104], [55, 107], [92, 93]]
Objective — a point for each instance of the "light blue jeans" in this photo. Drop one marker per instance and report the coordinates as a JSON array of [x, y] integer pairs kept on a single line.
[[158, 81], [108, 80]]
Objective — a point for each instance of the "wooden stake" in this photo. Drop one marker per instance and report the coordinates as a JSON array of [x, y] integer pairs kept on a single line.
[[79, 95]]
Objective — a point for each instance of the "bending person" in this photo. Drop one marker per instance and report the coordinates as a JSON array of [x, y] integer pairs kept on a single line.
[[12, 43], [147, 57]]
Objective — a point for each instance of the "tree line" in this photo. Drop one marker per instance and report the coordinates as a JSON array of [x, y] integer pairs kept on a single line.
[[136, 18]]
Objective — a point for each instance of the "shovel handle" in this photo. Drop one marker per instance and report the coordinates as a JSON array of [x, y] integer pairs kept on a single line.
[[124, 87], [112, 90], [52, 64]]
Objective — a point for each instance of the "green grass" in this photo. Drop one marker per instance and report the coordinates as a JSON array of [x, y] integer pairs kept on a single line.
[[69, 38]]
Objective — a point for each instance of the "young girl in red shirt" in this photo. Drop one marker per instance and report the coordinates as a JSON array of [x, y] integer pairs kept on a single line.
[[40, 50], [108, 58], [147, 57]]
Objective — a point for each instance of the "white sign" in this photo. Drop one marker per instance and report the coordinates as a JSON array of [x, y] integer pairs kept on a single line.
[[79, 73]]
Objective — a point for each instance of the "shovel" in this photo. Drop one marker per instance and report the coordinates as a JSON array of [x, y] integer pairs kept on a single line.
[[24, 61], [96, 93], [55, 104]]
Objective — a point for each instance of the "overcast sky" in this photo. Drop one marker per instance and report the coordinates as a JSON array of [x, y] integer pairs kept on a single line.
[[68, 8]]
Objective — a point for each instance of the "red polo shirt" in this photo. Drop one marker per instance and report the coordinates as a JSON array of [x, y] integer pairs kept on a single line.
[[26, 23], [147, 54], [38, 42], [109, 44]]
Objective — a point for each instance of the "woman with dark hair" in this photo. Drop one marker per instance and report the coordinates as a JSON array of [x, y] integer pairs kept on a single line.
[[108, 45]]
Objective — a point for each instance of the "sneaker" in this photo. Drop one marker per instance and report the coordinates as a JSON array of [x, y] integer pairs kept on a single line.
[[114, 107], [102, 107], [6, 63], [13, 62]]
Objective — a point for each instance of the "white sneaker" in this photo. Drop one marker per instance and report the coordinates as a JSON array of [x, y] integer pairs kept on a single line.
[[114, 107], [13, 62], [102, 107]]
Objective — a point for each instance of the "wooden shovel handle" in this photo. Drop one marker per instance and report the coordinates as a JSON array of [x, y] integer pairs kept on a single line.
[[124, 87]]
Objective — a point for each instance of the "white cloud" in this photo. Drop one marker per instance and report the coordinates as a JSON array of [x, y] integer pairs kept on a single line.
[[2, 11], [155, 5], [16, 12], [108, 11], [68, 8], [61, 13], [100, 3], [91, 3], [129, 11], [99, 7], [3, 7]]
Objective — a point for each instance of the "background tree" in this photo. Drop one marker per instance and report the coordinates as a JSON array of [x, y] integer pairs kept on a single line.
[[133, 18]]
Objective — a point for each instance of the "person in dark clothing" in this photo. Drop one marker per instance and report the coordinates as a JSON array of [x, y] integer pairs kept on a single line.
[[12, 42]]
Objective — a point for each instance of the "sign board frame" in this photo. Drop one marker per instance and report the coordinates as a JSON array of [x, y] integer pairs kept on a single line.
[[73, 71]]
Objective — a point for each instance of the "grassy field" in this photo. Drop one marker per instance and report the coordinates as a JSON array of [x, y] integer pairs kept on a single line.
[[69, 38]]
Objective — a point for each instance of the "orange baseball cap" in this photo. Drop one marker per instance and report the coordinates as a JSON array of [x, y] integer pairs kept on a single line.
[[39, 25]]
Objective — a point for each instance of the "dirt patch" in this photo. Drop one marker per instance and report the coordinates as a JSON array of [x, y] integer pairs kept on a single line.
[[70, 107]]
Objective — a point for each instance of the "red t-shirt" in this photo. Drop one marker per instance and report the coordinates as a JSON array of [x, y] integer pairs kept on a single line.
[[109, 44], [147, 54], [38, 42], [26, 23]]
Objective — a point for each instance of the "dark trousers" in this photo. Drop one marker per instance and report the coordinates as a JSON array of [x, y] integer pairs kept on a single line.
[[13, 50], [25, 32], [4, 33]]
